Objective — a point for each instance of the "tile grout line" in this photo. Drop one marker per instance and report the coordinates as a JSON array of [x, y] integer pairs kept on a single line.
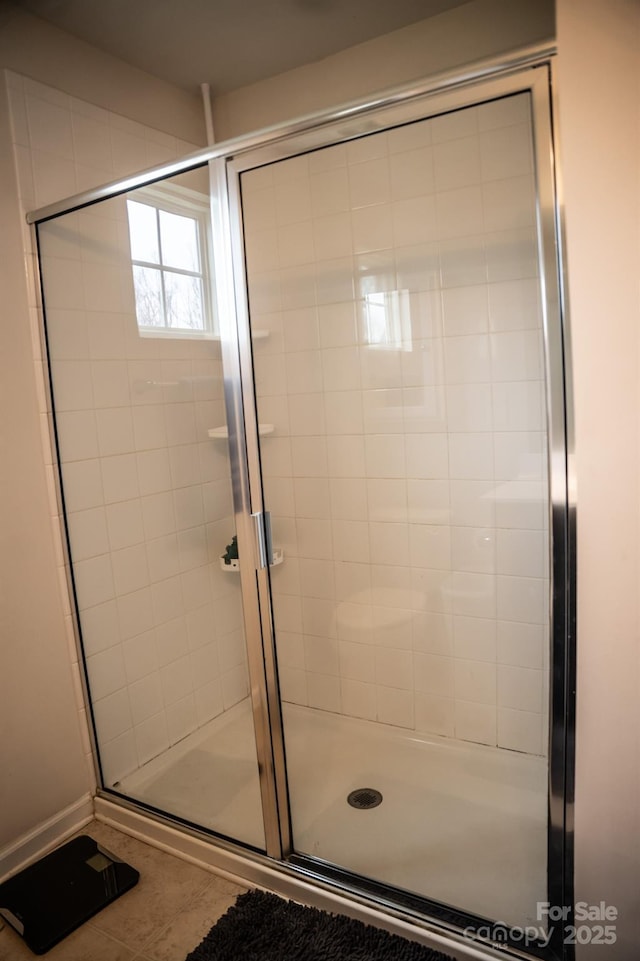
[[158, 933]]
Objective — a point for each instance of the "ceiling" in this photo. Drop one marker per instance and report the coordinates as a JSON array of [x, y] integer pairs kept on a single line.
[[229, 43]]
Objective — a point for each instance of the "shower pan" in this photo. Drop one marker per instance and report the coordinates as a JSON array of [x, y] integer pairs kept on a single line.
[[312, 427]]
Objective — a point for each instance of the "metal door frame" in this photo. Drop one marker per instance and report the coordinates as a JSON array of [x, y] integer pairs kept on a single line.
[[537, 82]]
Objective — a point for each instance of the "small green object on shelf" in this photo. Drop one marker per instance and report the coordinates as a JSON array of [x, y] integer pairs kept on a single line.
[[231, 553]]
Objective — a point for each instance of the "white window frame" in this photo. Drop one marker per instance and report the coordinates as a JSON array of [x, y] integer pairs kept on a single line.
[[185, 202]]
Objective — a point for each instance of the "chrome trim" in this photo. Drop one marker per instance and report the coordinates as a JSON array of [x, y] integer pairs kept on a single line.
[[347, 882], [234, 405], [415, 107], [280, 810], [571, 571], [459, 77], [268, 536], [561, 512], [554, 366], [261, 540]]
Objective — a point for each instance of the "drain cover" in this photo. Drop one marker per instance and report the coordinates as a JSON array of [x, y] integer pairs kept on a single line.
[[364, 798]]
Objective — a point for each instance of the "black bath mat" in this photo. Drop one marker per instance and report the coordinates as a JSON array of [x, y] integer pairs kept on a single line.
[[264, 927]]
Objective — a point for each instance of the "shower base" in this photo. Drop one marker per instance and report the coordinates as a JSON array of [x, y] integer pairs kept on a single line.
[[459, 823]]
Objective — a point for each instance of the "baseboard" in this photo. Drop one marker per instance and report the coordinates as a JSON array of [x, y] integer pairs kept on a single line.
[[45, 837]]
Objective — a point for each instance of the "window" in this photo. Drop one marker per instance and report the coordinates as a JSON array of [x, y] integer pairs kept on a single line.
[[169, 240], [387, 316]]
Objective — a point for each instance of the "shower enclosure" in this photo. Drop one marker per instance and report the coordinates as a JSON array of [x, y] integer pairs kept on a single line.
[[311, 426]]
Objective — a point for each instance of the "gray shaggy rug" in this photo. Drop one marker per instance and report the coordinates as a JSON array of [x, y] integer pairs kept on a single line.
[[264, 927]]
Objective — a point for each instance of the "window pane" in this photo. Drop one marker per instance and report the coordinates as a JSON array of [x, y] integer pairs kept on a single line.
[[183, 298], [179, 237], [148, 290], [143, 232]]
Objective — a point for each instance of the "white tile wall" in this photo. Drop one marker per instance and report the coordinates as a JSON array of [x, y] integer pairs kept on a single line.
[[142, 481], [406, 474]]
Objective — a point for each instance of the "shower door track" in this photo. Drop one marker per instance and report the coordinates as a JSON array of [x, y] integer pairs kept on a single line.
[[450, 91]]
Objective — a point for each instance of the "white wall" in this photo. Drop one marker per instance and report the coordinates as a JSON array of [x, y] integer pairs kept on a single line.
[[43, 747], [37, 49], [479, 29], [599, 73], [41, 752]]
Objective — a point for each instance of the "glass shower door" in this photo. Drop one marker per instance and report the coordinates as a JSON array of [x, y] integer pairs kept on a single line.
[[137, 383], [394, 302]]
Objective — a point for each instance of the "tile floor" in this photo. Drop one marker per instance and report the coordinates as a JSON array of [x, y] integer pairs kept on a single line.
[[163, 918]]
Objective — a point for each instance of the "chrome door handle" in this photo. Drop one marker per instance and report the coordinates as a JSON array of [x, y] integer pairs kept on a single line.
[[264, 544]]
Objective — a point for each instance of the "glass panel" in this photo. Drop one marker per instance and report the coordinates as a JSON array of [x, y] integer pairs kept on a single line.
[[406, 475], [147, 285], [183, 298], [147, 488], [143, 232], [179, 237]]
